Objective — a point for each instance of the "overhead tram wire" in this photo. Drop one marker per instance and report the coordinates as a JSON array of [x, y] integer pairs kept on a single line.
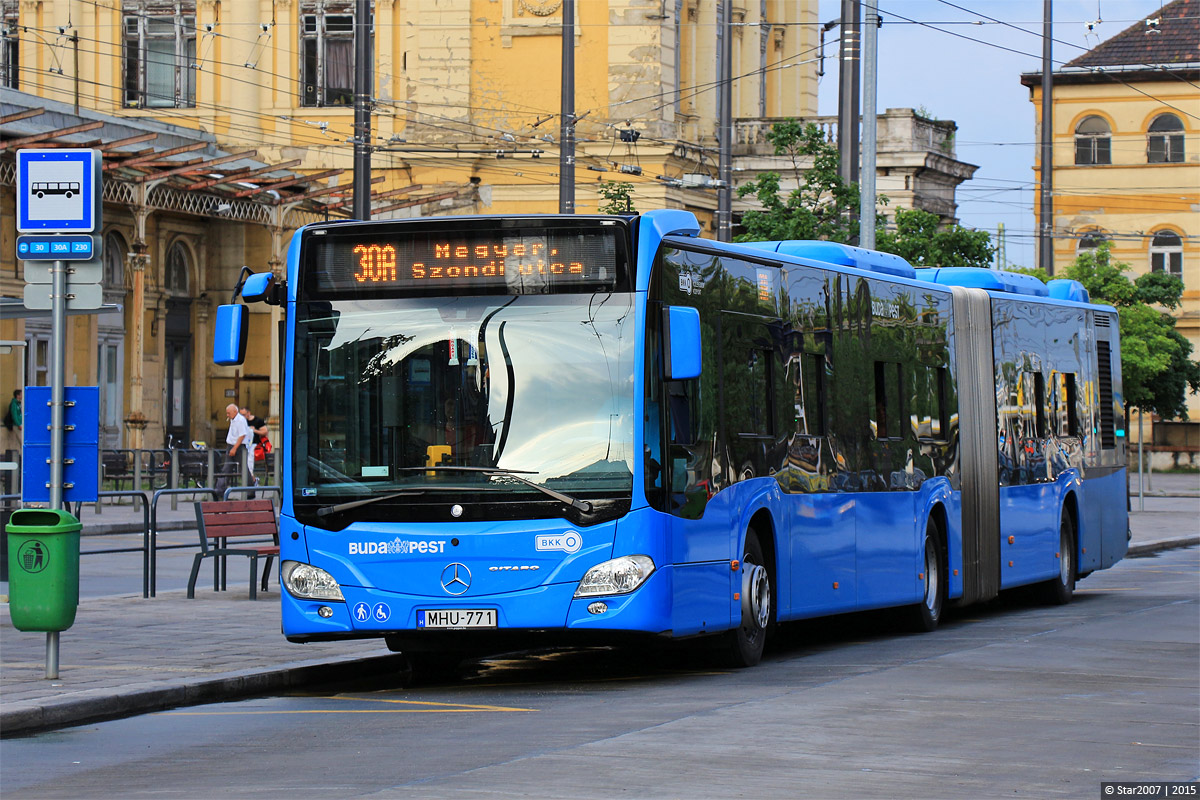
[[1063, 41], [1032, 56], [259, 136]]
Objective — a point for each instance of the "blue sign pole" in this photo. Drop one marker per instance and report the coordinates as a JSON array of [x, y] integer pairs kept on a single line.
[[58, 379]]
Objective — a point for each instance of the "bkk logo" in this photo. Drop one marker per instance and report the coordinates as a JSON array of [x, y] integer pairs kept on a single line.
[[568, 542], [396, 547]]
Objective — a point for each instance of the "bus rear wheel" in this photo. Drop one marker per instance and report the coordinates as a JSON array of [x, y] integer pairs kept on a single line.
[[743, 646], [926, 615], [1059, 589]]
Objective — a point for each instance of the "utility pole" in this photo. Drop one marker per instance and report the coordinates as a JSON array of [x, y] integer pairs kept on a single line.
[[848, 92], [725, 121], [866, 213], [363, 70], [1046, 208], [1001, 254], [566, 137]]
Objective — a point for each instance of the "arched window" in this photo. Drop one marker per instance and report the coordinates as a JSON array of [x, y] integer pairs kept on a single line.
[[1093, 142], [176, 282], [1166, 253], [1164, 144], [1091, 240], [114, 261]]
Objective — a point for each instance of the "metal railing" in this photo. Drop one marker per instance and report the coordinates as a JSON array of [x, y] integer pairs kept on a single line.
[[165, 474], [177, 468]]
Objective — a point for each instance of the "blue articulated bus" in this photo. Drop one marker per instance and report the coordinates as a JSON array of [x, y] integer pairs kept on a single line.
[[506, 432]]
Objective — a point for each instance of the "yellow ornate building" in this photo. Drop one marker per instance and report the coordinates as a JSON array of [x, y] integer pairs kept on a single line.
[[226, 124], [1127, 156]]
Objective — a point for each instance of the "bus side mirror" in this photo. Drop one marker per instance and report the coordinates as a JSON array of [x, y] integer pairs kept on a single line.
[[229, 335], [681, 343], [259, 287]]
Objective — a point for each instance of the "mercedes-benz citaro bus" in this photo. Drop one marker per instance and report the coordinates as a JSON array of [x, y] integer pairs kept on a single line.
[[502, 432]]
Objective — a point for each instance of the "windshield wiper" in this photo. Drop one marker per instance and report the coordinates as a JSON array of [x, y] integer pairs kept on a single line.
[[581, 505], [327, 510]]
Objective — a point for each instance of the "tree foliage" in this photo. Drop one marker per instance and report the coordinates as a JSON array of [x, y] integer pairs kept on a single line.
[[920, 239], [822, 206], [618, 197], [1156, 367]]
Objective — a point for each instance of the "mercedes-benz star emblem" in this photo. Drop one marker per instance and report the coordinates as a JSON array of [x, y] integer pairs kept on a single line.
[[456, 578]]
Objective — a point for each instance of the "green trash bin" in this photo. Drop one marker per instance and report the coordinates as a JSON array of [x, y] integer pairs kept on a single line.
[[43, 575]]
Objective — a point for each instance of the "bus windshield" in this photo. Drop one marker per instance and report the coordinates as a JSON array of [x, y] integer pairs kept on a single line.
[[402, 395]]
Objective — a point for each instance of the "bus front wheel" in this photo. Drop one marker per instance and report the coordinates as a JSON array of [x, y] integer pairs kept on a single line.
[[744, 644], [928, 613]]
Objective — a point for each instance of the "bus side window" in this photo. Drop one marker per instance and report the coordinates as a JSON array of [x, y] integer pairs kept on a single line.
[[888, 408], [1069, 400]]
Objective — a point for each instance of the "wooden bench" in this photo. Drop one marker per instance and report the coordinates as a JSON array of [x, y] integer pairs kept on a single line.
[[222, 523]]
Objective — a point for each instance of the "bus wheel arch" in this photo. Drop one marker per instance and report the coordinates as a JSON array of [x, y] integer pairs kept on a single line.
[[758, 593], [1060, 589], [926, 614]]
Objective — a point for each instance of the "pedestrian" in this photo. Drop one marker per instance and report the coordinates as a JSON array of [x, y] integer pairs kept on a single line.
[[14, 419], [261, 445], [237, 441]]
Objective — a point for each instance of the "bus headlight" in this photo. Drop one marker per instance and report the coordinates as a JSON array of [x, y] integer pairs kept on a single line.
[[308, 582], [619, 576]]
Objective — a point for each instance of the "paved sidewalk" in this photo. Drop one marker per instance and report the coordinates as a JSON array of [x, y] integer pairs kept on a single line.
[[127, 655]]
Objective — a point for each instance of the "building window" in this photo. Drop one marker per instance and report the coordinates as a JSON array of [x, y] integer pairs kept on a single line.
[[327, 53], [1166, 253], [1091, 240], [160, 54], [10, 49], [37, 355], [1165, 142], [114, 262], [1093, 142], [176, 278]]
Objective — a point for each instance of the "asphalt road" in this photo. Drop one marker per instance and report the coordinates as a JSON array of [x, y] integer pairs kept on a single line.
[[1007, 700]]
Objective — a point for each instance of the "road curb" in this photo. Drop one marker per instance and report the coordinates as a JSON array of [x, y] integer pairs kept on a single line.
[[96, 705], [1158, 545]]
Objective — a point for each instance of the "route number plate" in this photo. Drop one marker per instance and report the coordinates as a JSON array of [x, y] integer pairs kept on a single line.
[[456, 618]]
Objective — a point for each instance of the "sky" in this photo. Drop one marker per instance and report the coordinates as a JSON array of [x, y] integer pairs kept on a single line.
[[952, 66]]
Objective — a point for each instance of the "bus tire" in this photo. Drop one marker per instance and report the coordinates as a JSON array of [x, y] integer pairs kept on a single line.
[[926, 614], [1058, 590], [743, 646]]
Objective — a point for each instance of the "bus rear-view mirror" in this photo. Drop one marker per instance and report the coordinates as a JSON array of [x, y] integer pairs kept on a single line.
[[229, 335], [258, 286], [681, 343]]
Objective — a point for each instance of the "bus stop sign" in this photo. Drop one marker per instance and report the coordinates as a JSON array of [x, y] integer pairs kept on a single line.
[[59, 191]]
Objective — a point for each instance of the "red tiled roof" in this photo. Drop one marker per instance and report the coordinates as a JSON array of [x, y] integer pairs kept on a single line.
[[1174, 40]]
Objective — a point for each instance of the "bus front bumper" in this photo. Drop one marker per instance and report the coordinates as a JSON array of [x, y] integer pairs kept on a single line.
[[548, 609]]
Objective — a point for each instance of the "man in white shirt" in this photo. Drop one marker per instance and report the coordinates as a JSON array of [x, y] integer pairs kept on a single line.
[[237, 440]]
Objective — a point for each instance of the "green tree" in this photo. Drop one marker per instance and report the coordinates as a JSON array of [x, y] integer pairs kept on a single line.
[[618, 197], [822, 206], [920, 239], [1156, 367]]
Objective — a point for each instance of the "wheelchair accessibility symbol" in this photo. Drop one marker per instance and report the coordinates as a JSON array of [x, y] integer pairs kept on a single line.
[[381, 612]]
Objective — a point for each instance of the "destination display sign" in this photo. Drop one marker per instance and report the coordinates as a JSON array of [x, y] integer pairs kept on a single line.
[[409, 259]]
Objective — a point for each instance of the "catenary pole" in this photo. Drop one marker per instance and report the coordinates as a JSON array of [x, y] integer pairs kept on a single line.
[[866, 211], [725, 121], [1046, 207], [566, 153], [362, 109], [848, 91]]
